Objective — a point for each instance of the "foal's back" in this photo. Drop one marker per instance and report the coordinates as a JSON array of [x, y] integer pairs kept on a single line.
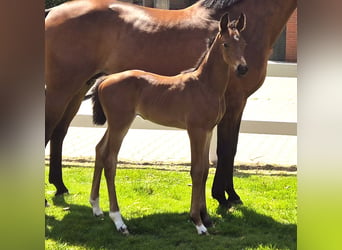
[[166, 100]]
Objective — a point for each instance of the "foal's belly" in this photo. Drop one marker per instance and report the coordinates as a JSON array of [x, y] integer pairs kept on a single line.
[[166, 122], [182, 111], [165, 115]]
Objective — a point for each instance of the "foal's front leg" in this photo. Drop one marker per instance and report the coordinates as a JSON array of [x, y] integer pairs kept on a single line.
[[199, 170], [204, 214], [94, 196]]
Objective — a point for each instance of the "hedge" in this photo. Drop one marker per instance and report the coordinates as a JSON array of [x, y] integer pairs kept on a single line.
[[52, 3]]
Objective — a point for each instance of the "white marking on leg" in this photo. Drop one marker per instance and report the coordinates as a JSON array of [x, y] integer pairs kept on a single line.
[[201, 229], [119, 224], [95, 204]]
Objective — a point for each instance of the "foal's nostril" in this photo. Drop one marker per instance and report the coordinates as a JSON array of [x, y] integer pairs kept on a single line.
[[242, 69]]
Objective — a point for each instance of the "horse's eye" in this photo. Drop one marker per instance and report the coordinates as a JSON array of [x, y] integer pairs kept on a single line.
[[226, 45]]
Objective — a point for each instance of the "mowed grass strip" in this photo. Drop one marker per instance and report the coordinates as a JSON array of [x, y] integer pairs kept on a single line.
[[155, 205]]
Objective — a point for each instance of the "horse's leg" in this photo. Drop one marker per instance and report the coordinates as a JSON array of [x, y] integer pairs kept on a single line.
[[227, 139], [56, 141], [56, 103], [199, 165], [204, 214], [99, 165]]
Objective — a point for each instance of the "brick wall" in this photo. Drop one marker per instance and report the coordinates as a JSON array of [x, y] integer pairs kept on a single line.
[[149, 3], [291, 38], [179, 4]]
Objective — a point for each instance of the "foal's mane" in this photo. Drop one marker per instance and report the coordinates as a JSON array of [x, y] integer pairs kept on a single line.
[[218, 4], [209, 42]]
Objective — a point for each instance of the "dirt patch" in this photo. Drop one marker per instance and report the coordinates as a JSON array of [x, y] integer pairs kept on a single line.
[[183, 166]]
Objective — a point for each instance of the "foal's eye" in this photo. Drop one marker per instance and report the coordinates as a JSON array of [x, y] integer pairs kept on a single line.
[[226, 45]]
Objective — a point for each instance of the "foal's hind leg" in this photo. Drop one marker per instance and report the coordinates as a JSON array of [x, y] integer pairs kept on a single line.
[[107, 153], [94, 194]]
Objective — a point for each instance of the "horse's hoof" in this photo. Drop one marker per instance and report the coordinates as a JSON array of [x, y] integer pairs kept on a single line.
[[220, 198], [225, 204], [232, 203], [61, 192]]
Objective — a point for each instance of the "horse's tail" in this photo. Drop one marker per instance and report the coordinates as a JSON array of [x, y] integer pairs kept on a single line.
[[99, 117], [91, 82], [47, 11]]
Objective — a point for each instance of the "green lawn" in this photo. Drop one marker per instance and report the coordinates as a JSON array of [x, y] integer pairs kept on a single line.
[[155, 205]]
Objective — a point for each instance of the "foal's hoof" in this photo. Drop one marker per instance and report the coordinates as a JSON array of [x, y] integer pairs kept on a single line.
[[100, 215], [202, 230], [204, 233], [123, 230]]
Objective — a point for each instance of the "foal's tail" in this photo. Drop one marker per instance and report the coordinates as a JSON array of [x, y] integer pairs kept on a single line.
[[99, 117]]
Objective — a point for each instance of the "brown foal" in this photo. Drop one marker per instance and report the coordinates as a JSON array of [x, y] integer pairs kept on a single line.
[[86, 37], [194, 101]]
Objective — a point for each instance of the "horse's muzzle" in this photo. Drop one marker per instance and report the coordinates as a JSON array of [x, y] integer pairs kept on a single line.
[[242, 70]]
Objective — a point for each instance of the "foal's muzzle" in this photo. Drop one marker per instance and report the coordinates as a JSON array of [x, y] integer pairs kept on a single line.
[[242, 70]]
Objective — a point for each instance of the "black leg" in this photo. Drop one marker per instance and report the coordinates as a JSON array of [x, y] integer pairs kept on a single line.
[[227, 139]]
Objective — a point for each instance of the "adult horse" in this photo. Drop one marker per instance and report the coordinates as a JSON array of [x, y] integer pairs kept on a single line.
[[84, 38], [170, 101]]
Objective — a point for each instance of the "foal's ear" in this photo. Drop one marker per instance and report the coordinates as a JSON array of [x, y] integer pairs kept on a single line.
[[224, 23], [241, 24]]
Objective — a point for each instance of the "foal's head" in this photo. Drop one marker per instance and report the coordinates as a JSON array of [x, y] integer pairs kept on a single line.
[[233, 45]]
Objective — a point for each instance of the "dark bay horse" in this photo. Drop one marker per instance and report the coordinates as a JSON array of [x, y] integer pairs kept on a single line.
[[194, 101], [84, 38]]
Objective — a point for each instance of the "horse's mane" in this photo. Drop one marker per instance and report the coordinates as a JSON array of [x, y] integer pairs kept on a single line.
[[218, 4], [201, 58]]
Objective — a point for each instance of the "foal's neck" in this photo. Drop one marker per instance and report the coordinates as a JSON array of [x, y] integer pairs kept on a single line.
[[213, 72]]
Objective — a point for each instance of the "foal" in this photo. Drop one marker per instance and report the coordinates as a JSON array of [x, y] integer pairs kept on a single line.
[[193, 101]]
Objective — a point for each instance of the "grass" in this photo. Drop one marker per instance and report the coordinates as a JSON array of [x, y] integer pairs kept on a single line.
[[155, 205]]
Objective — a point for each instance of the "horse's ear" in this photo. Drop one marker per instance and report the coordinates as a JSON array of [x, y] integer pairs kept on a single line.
[[241, 25], [224, 23]]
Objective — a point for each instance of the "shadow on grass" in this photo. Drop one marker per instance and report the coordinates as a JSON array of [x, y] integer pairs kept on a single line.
[[243, 228]]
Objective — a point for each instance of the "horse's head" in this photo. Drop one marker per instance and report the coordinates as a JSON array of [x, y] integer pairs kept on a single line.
[[233, 44]]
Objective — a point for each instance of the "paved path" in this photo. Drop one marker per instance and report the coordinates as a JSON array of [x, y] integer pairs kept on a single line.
[[276, 100]]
